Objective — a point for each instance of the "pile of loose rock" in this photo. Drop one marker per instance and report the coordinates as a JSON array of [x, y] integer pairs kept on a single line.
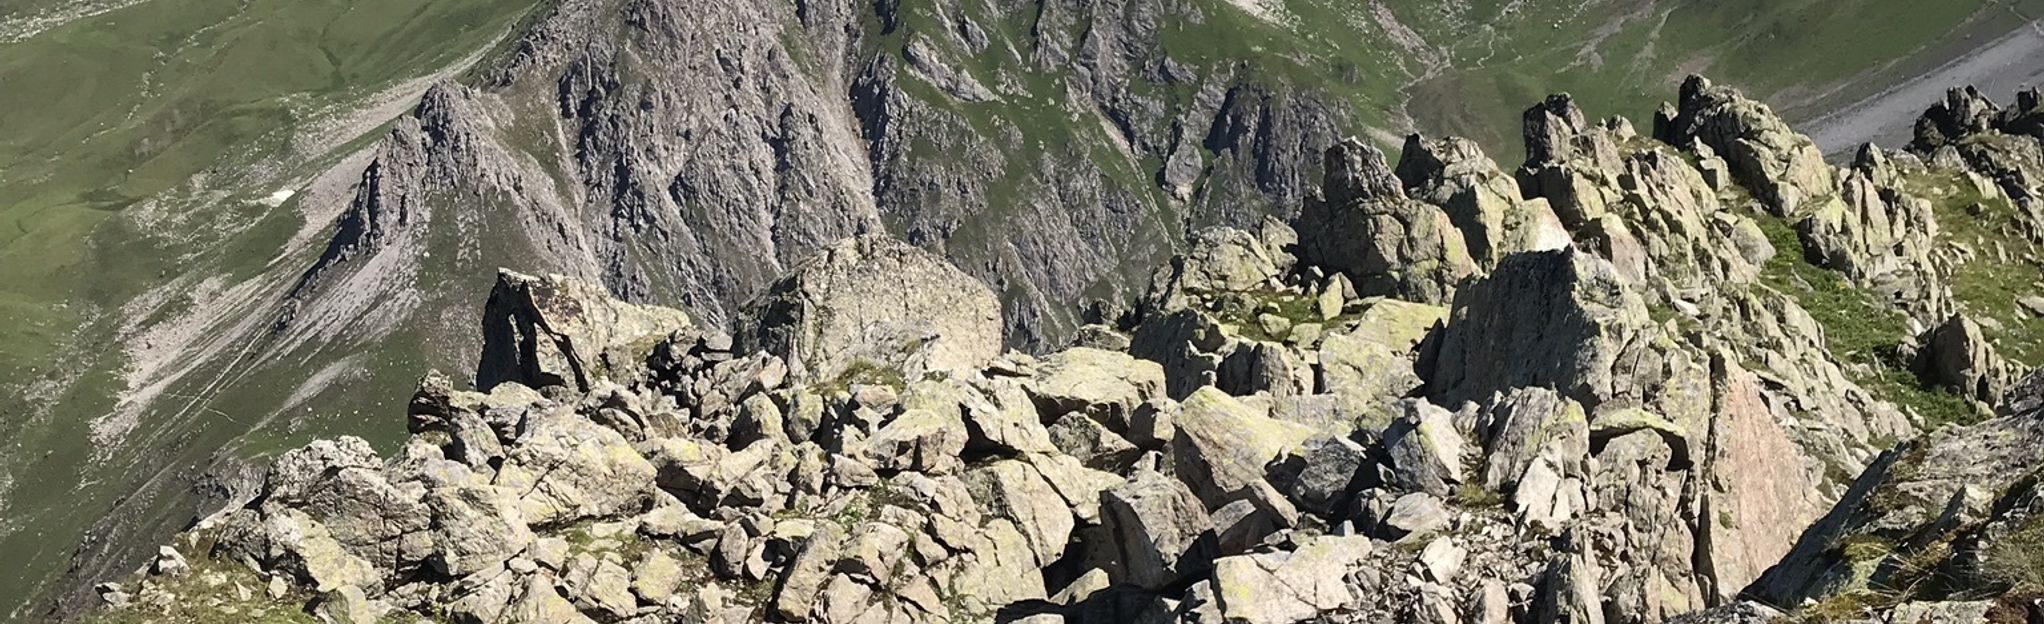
[[1445, 394]]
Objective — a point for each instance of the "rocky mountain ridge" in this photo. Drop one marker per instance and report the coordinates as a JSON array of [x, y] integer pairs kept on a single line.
[[278, 252], [1611, 386]]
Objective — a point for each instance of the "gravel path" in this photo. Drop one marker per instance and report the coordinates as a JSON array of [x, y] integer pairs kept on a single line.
[[1998, 68]]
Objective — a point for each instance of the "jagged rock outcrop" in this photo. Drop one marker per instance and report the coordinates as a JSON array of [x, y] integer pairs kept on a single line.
[[1882, 235], [1611, 413], [1364, 227], [1641, 206], [547, 331], [1957, 356], [1931, 518], [1481, 200], [1781, 166], [1560, 319], [875, 302]]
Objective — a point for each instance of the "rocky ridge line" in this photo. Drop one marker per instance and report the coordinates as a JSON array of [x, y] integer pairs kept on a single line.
[[1443, 394]]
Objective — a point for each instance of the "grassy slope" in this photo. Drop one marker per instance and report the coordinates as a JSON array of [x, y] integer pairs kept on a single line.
[[1858, 330], [190, 105]]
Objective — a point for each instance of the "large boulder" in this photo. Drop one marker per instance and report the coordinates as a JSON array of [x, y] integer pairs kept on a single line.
[[553, 330], [1557, 319], [1527, 425], [874, 302], [1760, 492], [1159, 528], [342, 485], [1424, 449], [1783, 167], [1365, 227], [1223, 445], [1104, 385], [1480, 199], [1956, 356], [569, 468], [476, 525], [1296, 586]]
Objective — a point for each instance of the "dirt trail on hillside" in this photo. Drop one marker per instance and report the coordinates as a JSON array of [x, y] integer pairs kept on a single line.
[[1998, 68]]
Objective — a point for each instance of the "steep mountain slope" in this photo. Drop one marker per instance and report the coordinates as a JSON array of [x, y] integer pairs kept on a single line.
[[304, 196], [1616, 385], [147, 160]]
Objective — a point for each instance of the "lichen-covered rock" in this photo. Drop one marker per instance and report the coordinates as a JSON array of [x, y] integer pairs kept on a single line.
[[1387, 244], [1527, 425], [1322, 475], [1222, 445], [1481, 200], [1931, 507], [1159, 528], [1425, 450], [568, 468], [918, 439], [1557, 319], [1880, 235], [1103, 385], [1780, 165], [822, 317], [1956, 355], [1290, 587]]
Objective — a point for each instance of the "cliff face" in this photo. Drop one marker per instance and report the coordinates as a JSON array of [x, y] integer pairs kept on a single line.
[[1623, 384], [688, 154], [1055, 153]]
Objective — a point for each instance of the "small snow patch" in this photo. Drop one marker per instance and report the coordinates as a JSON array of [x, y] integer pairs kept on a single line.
[[1267, 10], [278, 198]]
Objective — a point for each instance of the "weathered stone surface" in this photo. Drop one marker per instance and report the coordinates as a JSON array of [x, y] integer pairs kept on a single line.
[[1760, 494], [1557, 319], [1426, 452], [820, 318], [919, 439], [1956, 355], [1417, 513], [1481, 200], [569, 468], [1092, 443], [807, 573], [1102, 384], [1223, 445], [1020, 492], [1936, 489], [543, 331], [541, 603], [476, 525], [1290, 587], [1590, 446], [1530, 424], [1782, 166], [1569, 593], [1322, 474], [1160, 529], [1365, 375], [1386, 244]]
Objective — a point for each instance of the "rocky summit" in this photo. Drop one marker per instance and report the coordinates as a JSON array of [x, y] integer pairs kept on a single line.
[[1696, 374]]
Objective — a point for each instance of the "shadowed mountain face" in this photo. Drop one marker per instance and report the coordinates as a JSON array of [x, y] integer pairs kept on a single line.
[[225, 230]]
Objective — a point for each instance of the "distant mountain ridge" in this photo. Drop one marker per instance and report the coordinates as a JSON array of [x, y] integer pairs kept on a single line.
[[240, 228]]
